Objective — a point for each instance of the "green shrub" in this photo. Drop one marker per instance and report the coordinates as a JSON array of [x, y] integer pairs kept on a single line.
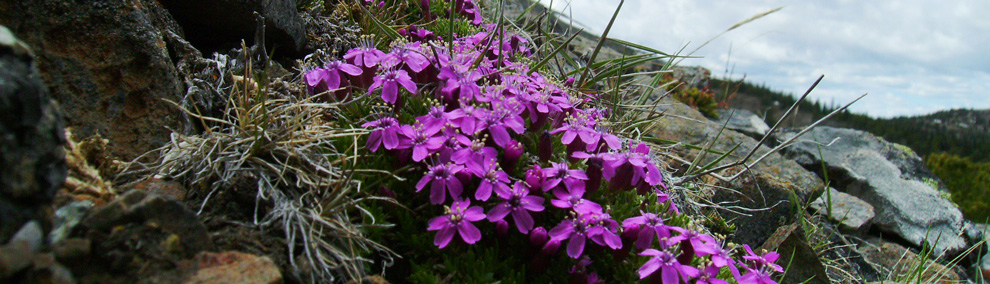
[[968, 182]]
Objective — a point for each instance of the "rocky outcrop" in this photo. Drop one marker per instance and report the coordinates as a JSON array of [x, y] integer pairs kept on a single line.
[[32, 161], [284, 30], [768, 188], [743, 121], [889, 177], [107, 63]]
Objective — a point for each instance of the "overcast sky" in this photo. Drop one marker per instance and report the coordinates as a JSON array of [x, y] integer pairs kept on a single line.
[[912, 57]]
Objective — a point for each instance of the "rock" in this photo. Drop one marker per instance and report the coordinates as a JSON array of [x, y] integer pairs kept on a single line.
[[284, 31], [31, 235], [692, 76], [32, 163], [66, 219], [139, 237], [770, 184], [72, 250], [743, 121], [14, 257], [805, 267], [107, 63], [172, 189], [852, 214], [885, 176], [44, 269], [159, 212], [234, 267], [899, 262]]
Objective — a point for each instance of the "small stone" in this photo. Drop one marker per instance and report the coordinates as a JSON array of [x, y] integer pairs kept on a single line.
[[46, 270], [805, 266], [235, 267], [68, 217], [853, 214], [71, 250], [31, 234], [171, 189], [14, 257]]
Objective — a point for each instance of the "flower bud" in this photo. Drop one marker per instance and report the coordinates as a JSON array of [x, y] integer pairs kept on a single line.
[[594, 173], [502, 228], [513, 150], [538, 237], [534, 178], [550, 248], [545, 149]]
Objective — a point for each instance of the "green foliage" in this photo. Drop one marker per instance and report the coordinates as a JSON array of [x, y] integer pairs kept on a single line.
[[703, 101], [968, 183]]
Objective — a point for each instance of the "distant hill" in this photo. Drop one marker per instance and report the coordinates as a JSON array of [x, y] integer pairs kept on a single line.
[[961, 132]]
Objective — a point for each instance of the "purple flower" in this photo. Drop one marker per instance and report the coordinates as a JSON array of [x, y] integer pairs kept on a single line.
[[441, 179], [586, 223], [652, 227], [385, 131], [491, 179], [469, 118], [475, 155], [365, 55], [538, 237], [414, 60], [561, 173], [709, 275], [763, 262], [693, 243], [669, 268], [390, 81], [518, 202], [329, 78], [422, 140], [755, 276], [458, 219]]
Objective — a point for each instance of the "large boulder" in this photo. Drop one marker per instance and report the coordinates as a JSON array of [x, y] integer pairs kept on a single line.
[[906, 197], [284, 29], [107, 63], [769, 188], [32, 160]]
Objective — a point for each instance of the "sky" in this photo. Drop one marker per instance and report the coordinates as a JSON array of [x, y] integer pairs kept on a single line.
[[912, 57]]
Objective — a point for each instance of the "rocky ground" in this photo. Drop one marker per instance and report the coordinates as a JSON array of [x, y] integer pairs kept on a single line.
[[83, 87]]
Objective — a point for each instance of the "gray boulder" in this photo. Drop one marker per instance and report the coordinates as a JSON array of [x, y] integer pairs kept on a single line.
[[743, 121], [107, 62], [889, 177], [32, 160]]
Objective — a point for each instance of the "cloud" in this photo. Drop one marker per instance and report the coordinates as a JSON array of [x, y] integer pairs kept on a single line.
[[913, 57]]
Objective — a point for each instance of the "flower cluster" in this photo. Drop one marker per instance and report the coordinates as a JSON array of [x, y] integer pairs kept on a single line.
[[481, 103]]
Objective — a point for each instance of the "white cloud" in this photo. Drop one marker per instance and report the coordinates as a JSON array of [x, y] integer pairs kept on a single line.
[[913, 57]]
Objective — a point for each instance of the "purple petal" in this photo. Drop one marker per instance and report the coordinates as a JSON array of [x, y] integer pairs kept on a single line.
[[500, 135], [391, 139], [443, 237], [474, 214], [484, 191], [455, 187], [390, 92], [423, 181], [498, 212], [524, 222], [533, 203], [349, 69], [568, 137], [649, 267], [420, 152], [645, 238], [469, 232], [438, 223], [563, 230], [669, 275], [437, 194], [575, 246]]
